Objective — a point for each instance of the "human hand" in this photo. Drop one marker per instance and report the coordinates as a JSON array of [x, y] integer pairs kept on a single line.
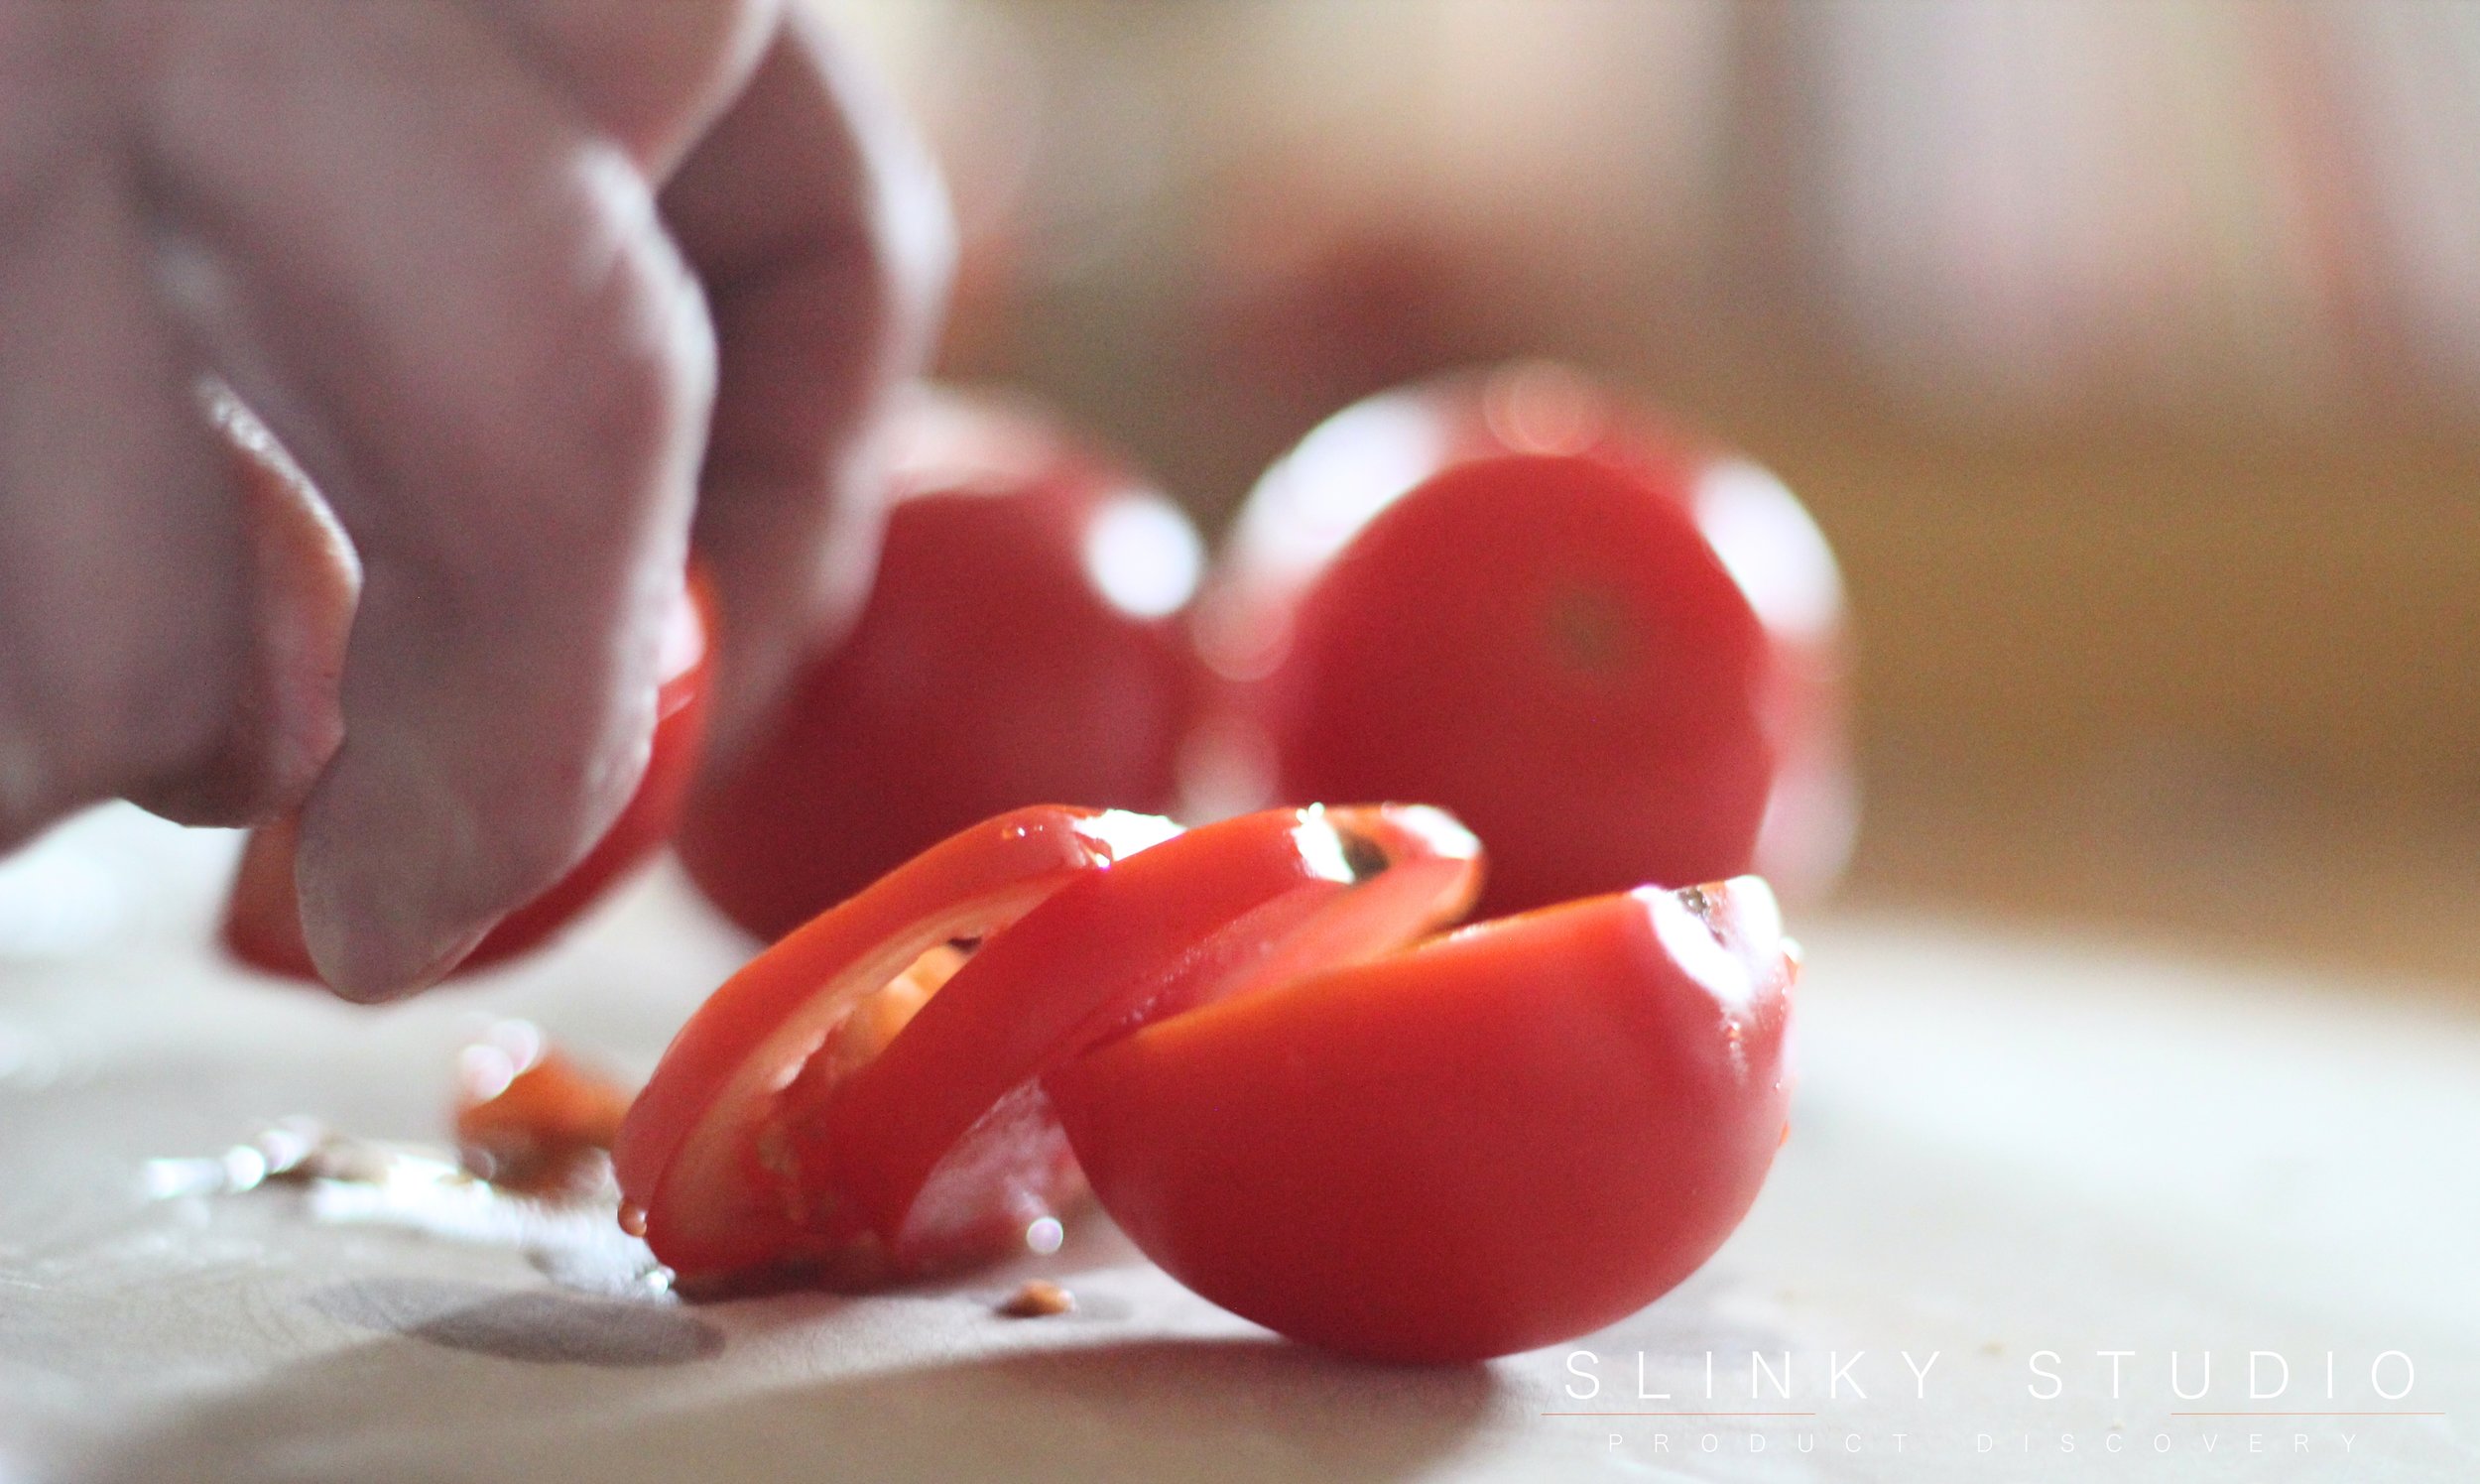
[[533, 291]]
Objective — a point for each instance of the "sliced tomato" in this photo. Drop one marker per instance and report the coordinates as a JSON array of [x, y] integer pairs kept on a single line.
[[702, 1157], [1502, 1139], [263, 921], [1219, 910]]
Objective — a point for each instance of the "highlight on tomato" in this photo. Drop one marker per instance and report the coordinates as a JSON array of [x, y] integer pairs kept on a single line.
[[263, 921], [1024, 641], [1613, 649]]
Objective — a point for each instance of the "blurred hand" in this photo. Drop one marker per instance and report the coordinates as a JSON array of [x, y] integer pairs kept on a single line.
[[530, 290]]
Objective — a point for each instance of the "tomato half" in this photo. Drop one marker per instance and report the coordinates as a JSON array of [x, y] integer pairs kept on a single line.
[[1614, 652], [1502, 1139], [704, 1157], [263, 920], [1224, 908], [1023, 642]]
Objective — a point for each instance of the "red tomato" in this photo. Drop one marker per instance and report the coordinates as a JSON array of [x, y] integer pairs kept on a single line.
[[263, 921], [1023, 643], [705, 1157], [1499, 1140], [1249, 900], [531, 1118], [1615, 653]]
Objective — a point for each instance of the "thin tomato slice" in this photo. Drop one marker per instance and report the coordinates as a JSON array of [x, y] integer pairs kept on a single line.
[[701, 1156], [263, 921], [909, 1140], [1501, 1139]]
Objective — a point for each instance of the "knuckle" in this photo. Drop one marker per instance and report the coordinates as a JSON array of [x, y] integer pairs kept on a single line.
[[648, 69], [914, 242], [626, 352], [586, 417]]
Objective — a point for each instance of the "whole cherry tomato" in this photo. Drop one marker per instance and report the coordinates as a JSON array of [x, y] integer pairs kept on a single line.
[[1023, 643], [263, 921], [706, 1156], [1501, 1139], [1615, 652]]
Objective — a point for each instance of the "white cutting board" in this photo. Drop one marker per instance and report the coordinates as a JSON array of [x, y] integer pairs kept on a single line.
[[2005, 1145]]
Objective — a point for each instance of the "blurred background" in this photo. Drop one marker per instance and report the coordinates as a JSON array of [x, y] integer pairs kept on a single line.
[[2128, 352]]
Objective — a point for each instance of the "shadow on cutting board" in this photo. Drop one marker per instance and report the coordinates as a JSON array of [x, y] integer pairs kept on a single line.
[[543, 1325], [469, 1382]]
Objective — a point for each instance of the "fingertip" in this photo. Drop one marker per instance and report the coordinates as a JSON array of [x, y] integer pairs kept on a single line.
[[452, 803], [379, 969], [374, 942], [391, 889]]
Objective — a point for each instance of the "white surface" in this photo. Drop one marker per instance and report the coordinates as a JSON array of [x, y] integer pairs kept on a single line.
[[2002, 1147]]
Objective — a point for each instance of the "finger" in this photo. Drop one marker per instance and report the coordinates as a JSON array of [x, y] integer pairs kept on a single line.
[[453, 303], [651, 73], [119, 552], [302, 582], [818, 225]]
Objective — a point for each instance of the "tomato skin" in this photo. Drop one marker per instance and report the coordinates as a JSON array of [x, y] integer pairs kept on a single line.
[[1226, 907], [1502, 1139], [263, 923], [1615, 652], [692, 1157], [997, 664]]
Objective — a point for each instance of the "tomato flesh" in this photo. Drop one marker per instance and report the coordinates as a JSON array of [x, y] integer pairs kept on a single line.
[[263, 920], [1501, 1139], [702, 1155], [1223, 909]]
